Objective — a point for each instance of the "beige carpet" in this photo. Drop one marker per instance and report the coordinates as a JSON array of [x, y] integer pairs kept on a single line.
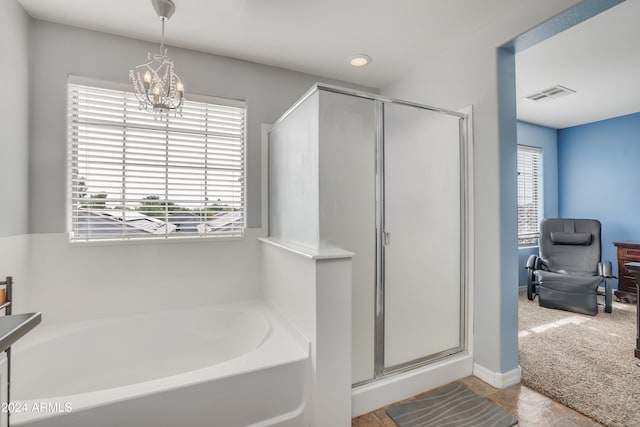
[[584, 362]]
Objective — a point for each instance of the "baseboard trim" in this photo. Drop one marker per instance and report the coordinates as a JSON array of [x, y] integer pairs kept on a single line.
[[369, 397], [497, 379]]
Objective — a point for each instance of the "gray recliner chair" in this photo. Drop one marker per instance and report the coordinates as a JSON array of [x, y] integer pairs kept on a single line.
[[568, 271]]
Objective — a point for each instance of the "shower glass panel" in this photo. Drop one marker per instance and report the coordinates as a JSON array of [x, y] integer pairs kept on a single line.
[[422, 236], [347, 199]]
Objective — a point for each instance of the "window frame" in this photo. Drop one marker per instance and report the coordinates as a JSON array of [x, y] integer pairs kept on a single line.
[[531, 238], [159, 238]]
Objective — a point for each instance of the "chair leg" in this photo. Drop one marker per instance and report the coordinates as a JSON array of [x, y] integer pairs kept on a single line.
[[531, 285], [607, 295]]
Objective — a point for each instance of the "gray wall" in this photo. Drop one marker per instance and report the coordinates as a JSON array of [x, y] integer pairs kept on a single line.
[[59, 51], [14, 113]]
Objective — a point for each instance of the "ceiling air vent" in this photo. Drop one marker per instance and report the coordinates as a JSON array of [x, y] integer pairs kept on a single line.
[[550, 94]]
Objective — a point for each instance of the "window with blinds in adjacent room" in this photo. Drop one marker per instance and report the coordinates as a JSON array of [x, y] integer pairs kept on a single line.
[[134, 175], [529, 165]]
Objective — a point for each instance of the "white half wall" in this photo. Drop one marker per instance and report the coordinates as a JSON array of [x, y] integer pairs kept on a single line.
[[69, 282], [312, 289]]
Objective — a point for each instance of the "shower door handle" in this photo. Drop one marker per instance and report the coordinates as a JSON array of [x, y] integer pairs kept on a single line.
[[387, 238]]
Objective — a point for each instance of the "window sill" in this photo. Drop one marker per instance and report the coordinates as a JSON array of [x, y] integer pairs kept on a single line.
[[155, 241], [528, 247]]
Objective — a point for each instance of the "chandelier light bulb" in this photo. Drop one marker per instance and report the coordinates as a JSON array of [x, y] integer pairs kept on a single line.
[[147, 80], [155, 83]]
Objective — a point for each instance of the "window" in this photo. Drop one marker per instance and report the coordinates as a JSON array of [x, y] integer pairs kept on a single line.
[[529, 194], [133, 175]]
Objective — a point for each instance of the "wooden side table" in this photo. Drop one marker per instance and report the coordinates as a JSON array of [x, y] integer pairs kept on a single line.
[[635, 267], [627, 252]]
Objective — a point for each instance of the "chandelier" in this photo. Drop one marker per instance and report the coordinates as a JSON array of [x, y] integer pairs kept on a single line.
[[155, 83]]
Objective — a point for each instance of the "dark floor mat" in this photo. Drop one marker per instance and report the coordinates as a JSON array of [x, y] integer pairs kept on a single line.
[[451, 406]]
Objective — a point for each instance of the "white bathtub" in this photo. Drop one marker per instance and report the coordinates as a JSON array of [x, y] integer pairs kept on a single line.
[[231, 365]]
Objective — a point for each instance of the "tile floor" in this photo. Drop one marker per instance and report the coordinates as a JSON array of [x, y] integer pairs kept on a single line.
[[531, 408]]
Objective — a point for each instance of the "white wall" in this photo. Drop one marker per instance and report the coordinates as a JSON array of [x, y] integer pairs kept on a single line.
[[466, 73], [14, 122]]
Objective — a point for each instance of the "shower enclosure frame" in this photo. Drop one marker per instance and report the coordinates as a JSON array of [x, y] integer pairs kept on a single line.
[[382, 236]]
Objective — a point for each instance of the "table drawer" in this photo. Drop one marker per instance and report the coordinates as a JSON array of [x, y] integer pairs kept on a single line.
[[627, 283], [623, 270], [630, 254]]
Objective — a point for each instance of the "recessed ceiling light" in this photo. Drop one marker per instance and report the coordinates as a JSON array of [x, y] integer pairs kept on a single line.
[[359, 60]]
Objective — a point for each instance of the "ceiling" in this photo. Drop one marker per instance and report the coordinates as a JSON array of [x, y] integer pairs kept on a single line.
[[313, 36], [599, 59], [596, 58]]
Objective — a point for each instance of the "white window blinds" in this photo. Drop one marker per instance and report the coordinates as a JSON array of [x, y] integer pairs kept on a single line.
[[135, 176], [529, 165]]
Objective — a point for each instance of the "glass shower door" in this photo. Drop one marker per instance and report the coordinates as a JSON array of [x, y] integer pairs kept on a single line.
[[422, 236]]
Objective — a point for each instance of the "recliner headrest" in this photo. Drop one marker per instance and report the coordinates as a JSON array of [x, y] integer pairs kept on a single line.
[[565, 238]]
